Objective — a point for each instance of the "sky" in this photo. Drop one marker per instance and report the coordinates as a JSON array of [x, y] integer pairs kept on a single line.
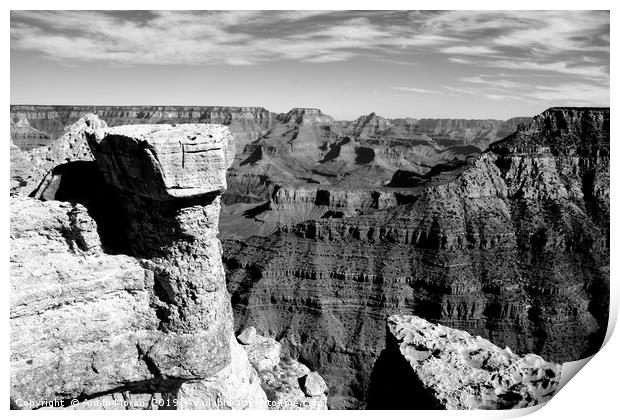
[[433, 64]]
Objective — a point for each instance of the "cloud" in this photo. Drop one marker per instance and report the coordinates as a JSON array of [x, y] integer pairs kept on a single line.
[[459, 60], [495, 87], [215, 37], [551, 56], [573, 94], [422, 91], [469, 50], [564, 67]]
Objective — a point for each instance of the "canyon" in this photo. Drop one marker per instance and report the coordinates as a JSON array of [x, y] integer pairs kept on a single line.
[[328, 228], [511, 244]]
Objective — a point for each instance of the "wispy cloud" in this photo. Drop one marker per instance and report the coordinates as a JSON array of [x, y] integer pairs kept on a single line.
[[469, 50], [241, 37], [422, 91]]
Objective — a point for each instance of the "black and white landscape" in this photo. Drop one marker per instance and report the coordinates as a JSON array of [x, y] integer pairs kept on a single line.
[[348, 210]]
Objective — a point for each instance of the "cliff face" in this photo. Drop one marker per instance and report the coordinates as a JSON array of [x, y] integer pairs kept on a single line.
[[154, 325], [427, 365], [27, 137], [512, 245], [245, 123]]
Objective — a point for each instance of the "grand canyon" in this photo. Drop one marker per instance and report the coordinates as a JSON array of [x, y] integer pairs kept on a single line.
[[353, 260]]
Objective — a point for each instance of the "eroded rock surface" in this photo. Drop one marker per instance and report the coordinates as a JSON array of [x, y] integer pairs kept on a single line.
[[450, 369], [155, 324], [289, 384], [40, 170]]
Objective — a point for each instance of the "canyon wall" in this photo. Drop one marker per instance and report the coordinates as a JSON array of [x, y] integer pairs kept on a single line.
[[245, 123], [512, 245]]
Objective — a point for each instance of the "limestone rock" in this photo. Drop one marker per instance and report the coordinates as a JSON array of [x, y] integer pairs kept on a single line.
[[237, 386], [149, 329], [247, 336], [37, 165], [263, 352], [459, 371], [78, 315], [288, 384], [163, 162], [313, 385]]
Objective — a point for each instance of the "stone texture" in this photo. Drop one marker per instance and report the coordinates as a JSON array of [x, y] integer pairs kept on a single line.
[[237, 386], [313, 385], [78, 316], [288, 384], [152, 328], [164, 161], [247, 336], [41, 168], [457, 371]]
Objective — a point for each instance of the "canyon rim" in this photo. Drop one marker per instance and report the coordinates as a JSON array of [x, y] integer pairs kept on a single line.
[[424, 240]]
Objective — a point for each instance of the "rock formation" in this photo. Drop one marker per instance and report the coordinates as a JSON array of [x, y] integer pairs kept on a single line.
[[156, 325], [427, 365], [42, 168], [289, 385], [25, 136], [512, 245]]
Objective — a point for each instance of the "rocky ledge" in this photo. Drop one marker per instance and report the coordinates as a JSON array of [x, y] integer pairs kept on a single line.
[[289, 385], [428, 365], [147, 324]]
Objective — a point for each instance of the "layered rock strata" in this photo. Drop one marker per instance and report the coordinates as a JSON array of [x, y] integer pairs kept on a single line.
[[512, 245], [245, 123], [427, 365]]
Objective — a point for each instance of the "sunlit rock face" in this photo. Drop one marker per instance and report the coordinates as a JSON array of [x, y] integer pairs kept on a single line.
[[288, 384], [150, 319], [511, 245], [430, 366]]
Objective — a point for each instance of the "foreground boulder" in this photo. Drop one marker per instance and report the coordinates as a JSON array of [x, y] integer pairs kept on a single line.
[[289, 385], [430, 366]]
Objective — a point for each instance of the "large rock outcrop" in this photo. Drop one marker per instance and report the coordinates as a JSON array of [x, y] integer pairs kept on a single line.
[[154, 325], [512, 245], [427, 365]]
